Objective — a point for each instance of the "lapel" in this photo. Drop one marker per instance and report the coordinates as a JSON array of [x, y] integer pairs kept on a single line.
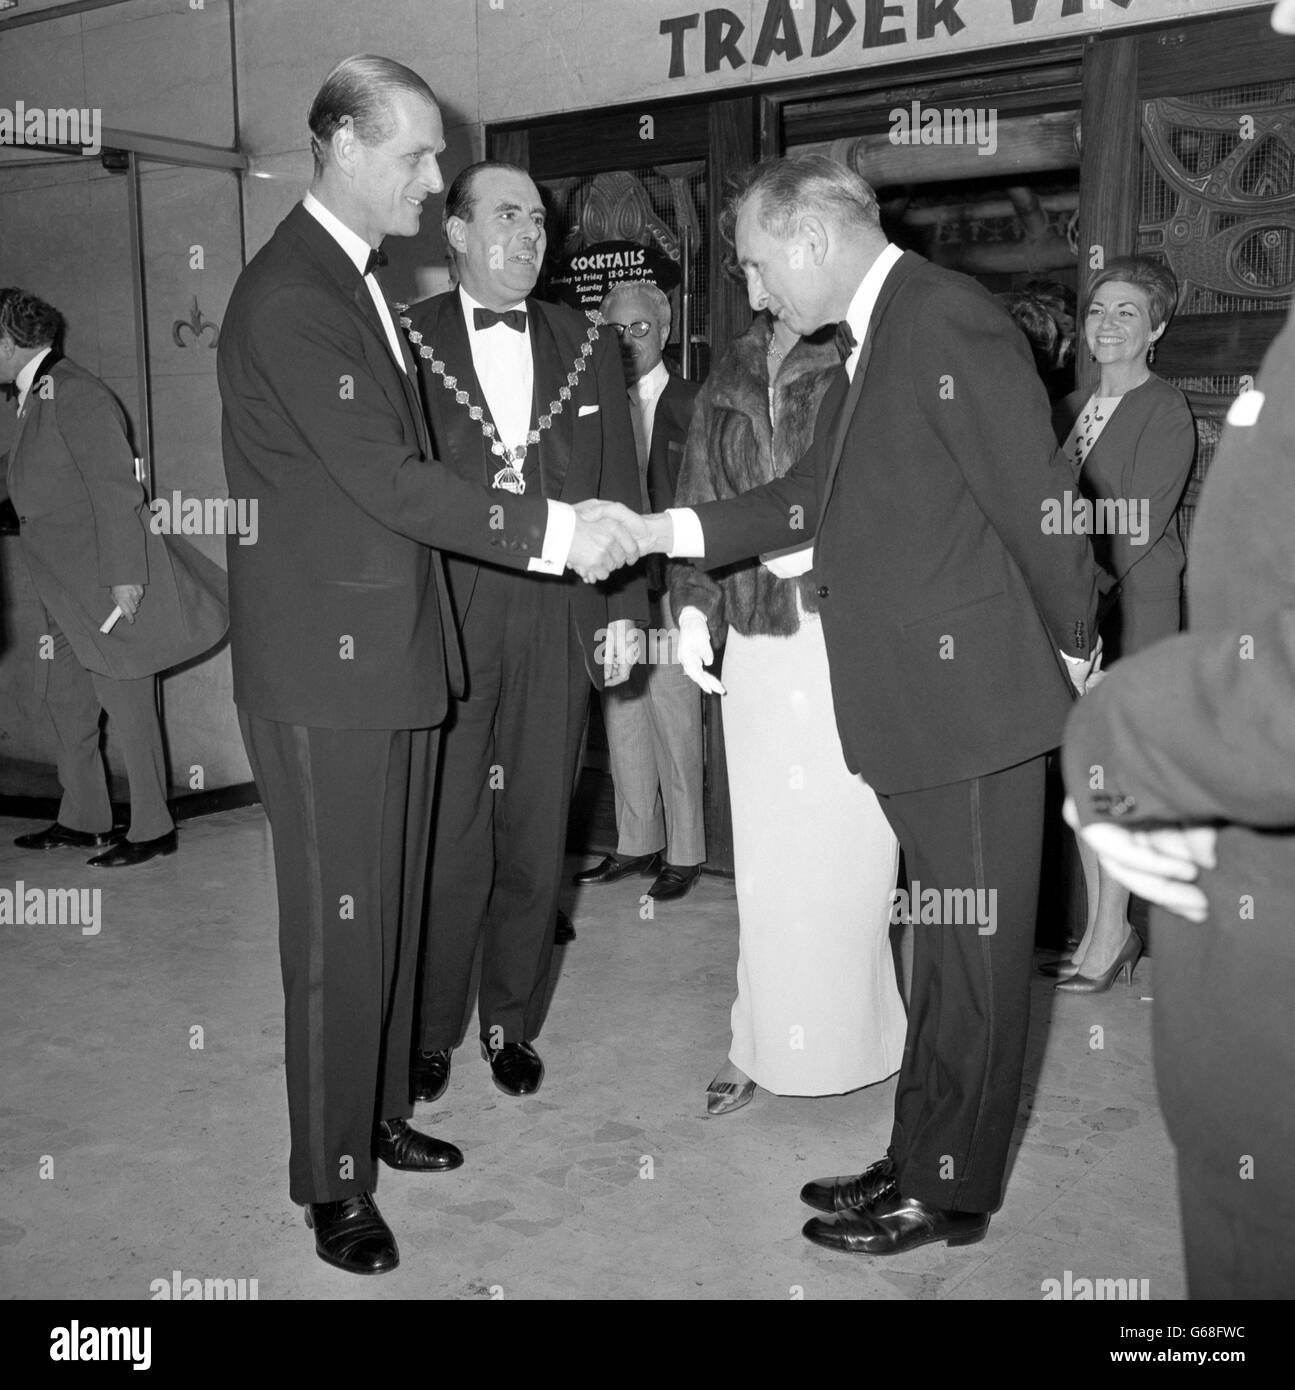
[[899, 272], [341, 270], [448, 338], [31, 405], [364, 302], [552, 360]]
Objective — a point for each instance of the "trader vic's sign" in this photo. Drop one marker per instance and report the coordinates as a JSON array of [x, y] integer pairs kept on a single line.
[[798, 30]]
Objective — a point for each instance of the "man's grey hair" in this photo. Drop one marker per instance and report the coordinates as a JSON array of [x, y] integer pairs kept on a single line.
[[360, 87], [659, 302], [783, 191]]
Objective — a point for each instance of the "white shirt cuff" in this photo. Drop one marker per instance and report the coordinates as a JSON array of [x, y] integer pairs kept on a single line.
[[1075, 660], [558, 535], [786, 564], [689, 542]]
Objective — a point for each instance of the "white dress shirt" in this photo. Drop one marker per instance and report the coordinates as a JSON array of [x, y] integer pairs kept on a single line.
[[561, 527], [645, 393], [506, 370], [357, 251], [505, 367], [689, 541], [23, 381]]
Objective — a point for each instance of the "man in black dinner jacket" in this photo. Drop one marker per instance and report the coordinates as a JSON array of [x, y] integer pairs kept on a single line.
[[528, 399], [951, 622], [344, 648]]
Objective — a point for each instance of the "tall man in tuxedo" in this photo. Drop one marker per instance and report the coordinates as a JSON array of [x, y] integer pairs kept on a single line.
[[344, 647], [526, 399], [653, 721], [947, 613]]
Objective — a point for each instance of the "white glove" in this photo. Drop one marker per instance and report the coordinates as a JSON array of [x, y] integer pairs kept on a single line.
[[695, 652]]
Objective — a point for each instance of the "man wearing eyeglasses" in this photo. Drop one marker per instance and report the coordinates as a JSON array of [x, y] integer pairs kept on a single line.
[[654, 720]]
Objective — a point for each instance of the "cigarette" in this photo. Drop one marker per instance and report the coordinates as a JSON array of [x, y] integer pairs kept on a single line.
[[110, 621]]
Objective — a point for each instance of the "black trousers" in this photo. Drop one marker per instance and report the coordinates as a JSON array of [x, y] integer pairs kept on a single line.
[[504, 791], [350, 810], [968, 1012]]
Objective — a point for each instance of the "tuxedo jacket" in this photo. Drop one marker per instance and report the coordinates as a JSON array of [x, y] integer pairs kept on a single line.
[[1200, 729], [84, 528], [339, 615], [587, 451], [943, 601], [670, 424]]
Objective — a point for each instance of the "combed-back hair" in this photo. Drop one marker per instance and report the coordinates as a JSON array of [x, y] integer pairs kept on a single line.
[[360, 87], [787, 189], [461, 200]]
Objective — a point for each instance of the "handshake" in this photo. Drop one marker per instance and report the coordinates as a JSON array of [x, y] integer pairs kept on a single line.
[[609, 535]]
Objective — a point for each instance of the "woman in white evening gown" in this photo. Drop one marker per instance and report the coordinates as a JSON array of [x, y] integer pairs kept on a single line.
[[818, 1009]]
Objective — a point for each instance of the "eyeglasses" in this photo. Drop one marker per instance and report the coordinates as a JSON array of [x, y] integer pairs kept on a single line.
[[640, 328]]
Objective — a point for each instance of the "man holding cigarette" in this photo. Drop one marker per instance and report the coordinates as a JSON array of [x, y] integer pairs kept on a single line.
[[85, 537]]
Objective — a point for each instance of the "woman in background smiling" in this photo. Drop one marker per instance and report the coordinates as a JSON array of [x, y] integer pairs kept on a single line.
[[1131, 443]]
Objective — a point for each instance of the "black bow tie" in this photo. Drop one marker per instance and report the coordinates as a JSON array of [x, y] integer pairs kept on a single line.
[[844, 339], [377, 257], [487, 318]]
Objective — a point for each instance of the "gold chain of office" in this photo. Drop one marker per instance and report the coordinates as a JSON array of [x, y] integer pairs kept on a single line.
[[509, 477]]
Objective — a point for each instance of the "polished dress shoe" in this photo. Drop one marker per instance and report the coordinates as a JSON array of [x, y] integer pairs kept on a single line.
[[400, 1146], [429, 1074], [516, 1067], [1062, 969], [893, 1225], [725, 1096], [840, 1194], [1123, 964], [127, 852], [564, 932], [57, 836], [613, 867], [352, 1235], [674, 881]]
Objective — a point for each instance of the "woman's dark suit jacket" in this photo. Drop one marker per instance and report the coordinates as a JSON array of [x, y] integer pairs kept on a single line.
[[1145, 456]]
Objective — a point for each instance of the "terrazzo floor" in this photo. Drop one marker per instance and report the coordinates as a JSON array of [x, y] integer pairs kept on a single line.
[[130, 1152]]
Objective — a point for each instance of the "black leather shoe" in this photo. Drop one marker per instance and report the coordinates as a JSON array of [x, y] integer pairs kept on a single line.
[[56, 836], [127, 852], [613, 867], [352, 1235], [893, 1225], [516, 1067], [400, 1146], [674, 881], [564, 932], [840, 1194], [429, 1074]]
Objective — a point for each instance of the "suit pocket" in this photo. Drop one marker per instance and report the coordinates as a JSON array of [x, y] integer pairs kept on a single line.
[[958, 613], [587, 410]]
